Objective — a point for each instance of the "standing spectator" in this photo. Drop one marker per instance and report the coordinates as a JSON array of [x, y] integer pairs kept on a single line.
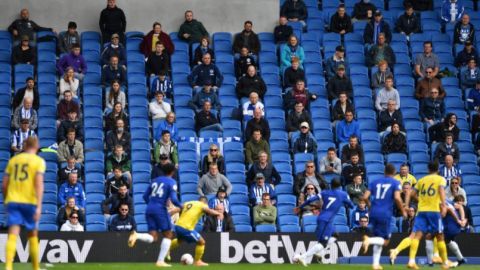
[[69, 208], [113, 183], [30, 90], [380, 76], [114, 115], [389, 116], [470, 75], [363, 10], [452, 11], [265, 213], [66, 105], [438, 131], [408, 23], [309, 177], [299, 94], [73, 59], [165, 146], [68, 38], [251, 105], [305, 142], [454, 189], [24, 26], [112, 21], [123, 221], [159, 108], [331, 164], [356, 190], [257, 122], [20, 135], [64, 172], [258, 188], [207, 71], [293, 74], [342, 105], [71, 123], [158, 60], [113, 71], [464, 31], [426, 60], [25, 112], [114, 201], [338, 58], [450, 171], [432, 109], [289, 50], [375, 27], [72, 224], [220, 198], [466, 54], [114, 48], [149, 41], [210, 182], [352, 147], [340, 22], [294, 11], [420, 5], [245, 59], [296, 117], [395, 141], [168, 124], [72, 189], [247, 38], [163, 84], [23, 53], [203, 48], [223, 223], [351, 169], [249, 83], [206, 94], [347, 127], [339, 83], [191, 30], [427, 83], [69, 82], [119, 136], [282, 31], [266, 168], [449, 147], [114, 95], [213, 157], [119, 159], [206, 119], [380, 51], [404, 176], [386, 94], [254, 146], [70, 147]]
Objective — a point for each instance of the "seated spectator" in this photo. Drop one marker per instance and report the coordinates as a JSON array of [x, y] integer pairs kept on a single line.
[[293, 74], [466, 54], [337, 59], [449, 170], [408, 23], [352, 147], [207, 71], [340, 22], [72, 224], [420, 5], [23, 53], [206, 94], [119, 136], [123, 221], [113, 72], [309, 177], [149, 41], [294, 11], [427, 83], [363, 226], [389, 116], [71, 123], [464, 31], [258, 188], [342, 105], [473, 98], [66, 210], [73, 59], [249, 83], [158, 60], [20, 135], [111, 205], [72, 189], [351, 169], [305, 142], [116, 114], [203, 48], [67, 38], [114, 95], [113, 183], [291, 49], [347, 127], [360, 211], [363, 10], [246, 38], [407, 223], [206, 119], [282, 31], [24, 26], [438, 131], [70, 147], [219, 223], [66, 105], [470, 75], [432, 109], [298, 94], [339, 83], [386, 94], [112, 20], [426, 60], [191, 30], [460, 200], [452, 11], [379, 77], [160, 169], [166, 147], [257, 122], [64, 172], [380, 51], [210, 182], [266, 168], [220, 198], [313, 208], [331, 164], [254, 146], [159, 108], [296, 117], [69, 82], [31, 91], [168, 124], [162, 83], [114, 48], [376, 26], [265, 213], [119, 159], [395, 141], [251, 105], [404, 176], [213, 157], [244, 60], [449, 147], [454, 189], [476, 126]]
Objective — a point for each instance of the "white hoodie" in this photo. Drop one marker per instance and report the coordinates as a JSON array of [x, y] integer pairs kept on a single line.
[[69, 227]]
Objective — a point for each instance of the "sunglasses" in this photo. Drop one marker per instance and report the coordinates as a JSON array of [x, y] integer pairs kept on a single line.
[[310, 188], [454, 183], [434, 92], [213, 150], [74, 217], [310, 166], [123, 209], [429, 72]]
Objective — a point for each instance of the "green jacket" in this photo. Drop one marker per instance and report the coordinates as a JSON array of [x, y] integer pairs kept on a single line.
[[252, 149], [195, 29], [264, 215], [169, 149], [124, 163]]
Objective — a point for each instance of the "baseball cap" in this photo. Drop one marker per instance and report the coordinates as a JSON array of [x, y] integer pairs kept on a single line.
[[340, 48], [305, 124], [25, 37], [221, 189], [259, 175], [341, 67], [378, 12], [115, 36], [163, 157]]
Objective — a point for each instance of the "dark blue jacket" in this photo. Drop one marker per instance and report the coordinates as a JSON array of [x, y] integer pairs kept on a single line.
[[109, 51], [119, 224], [109, 74], [432, 109], [368, 33], [202, 73], [473, 99]]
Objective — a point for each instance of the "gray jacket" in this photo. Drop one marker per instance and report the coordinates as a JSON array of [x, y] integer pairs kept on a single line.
[[210, 184], [63, 151], [17, 117], [337, 165]]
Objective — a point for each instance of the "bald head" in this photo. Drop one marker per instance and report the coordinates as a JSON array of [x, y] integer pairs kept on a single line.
[[27, 102]]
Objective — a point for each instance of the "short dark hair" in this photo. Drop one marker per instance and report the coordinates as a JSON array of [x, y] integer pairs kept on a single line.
[[168, 169], [336, 183], [72, 25], [389, 169], [116, 167], [75, 45], [71, 130], [428, 42], [348, 111], [265, 194], [354, 153], [331, 149], [448, 134], [432, 166], [156, 23], [248, 22]]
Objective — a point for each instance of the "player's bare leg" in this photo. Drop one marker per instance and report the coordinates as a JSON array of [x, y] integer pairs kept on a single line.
[[199, 250]]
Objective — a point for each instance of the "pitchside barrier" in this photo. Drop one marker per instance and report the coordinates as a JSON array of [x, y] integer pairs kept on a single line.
[[60, 247]]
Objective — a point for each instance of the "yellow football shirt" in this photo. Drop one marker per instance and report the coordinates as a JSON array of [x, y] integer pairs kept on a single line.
[[409, 178], [22, 170], [427, 191], [191, 213]]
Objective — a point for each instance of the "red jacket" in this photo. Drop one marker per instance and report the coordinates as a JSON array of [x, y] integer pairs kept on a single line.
[[146, 45]]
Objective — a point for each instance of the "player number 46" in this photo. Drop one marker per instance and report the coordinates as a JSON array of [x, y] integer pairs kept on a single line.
[[427, 192]]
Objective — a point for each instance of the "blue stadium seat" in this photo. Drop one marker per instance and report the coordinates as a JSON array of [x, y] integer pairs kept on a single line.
[[243, 228], [266, 228], [290, 228], [239, 209]]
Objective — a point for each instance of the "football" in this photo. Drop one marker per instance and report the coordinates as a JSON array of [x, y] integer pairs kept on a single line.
[[186, 259]]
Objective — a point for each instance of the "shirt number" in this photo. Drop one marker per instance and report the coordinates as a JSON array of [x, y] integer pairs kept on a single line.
[[331, 200], [382, 191], [21, 172], [157, 190], [430, 191]]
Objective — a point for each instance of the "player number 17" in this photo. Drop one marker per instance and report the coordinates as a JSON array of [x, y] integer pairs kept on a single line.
[[382, 191]]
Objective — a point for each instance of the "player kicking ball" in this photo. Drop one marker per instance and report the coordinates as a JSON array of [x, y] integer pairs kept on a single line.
[[385, 192], [331, 201]]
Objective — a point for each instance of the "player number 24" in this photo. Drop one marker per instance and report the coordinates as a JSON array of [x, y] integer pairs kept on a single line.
[[157, 190]]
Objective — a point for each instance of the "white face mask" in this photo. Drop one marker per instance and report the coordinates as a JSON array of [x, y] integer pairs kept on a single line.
[[366, 1]]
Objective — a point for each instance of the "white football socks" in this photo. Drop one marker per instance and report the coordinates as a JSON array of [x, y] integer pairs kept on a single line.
[[145, 237], [453, 246], [312, 251], [377, 252], [164, 248], [429, 249], [376, 241]]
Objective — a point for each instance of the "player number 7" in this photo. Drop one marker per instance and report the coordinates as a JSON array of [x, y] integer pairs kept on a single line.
[[331, 200]]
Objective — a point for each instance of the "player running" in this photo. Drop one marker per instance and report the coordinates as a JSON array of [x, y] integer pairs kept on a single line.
[[156, 196], [23, 191], [331, 201], [385, 192], [185, 227]]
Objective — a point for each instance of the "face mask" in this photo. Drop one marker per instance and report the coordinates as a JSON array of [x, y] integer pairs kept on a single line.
[[119, 130], [366, 1]]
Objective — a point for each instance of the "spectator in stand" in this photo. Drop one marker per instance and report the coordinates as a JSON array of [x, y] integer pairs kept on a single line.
[[69, 82], [254, 146], [408, 23], [432, 109], [305, 142], [298, 94], [363, 10], [166, 147], [340, 22], [114, 95], [113, 183], [464, 31], [244, 60], [460, 200], [71, 123], [404, 175], [222, 223], [206, 94], [220, 198], [114, 115], [258, 188], [294, 11], [449, 147], [313, 208], [213, 157], [380, 51], [291, 49], [331, 164], [363, 226], [454, 189], [351, 169], [114, 48], [389, 116], [66, 105], [438, 131], [247, 38], [210, 182], [361, 211], [119, 136], [449, 170], [265, 213], [114, 201], [31, 91], [339, 83], [24, 26], [282, 31], [470, 75], [293, 74], [466, 54], [257, 122], [25, 112], [73, 59], [342, 105], [407, 223], [395, 141], [72, 224], [20, 135], [250, 82], [70, 147], [163, 84], [191, 30], [420, 5], [386, 94], [23, 53], [68, 38], [206, 119], [119, 159], [150, 40], [251, 105], [158, 60], [68, 169], [347, 127], [72, 189], [375, 27], [309, 177], [378, 78], [123, 221], [473, 98], [168, 124], [452, 11], [68, 208], [113, 71], [207, 71], [160, 168], [427, 83], [266, 168], [159, 108], [338, 58], [112, 21], [296, 117], [203, 48], [352, 147], [426, 60]]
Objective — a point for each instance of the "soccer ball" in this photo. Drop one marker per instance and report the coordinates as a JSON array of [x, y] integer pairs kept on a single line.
[[186, 259]]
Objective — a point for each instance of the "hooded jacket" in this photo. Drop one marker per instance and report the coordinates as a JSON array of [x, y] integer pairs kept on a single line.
[[209, 184], [71, 60]]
